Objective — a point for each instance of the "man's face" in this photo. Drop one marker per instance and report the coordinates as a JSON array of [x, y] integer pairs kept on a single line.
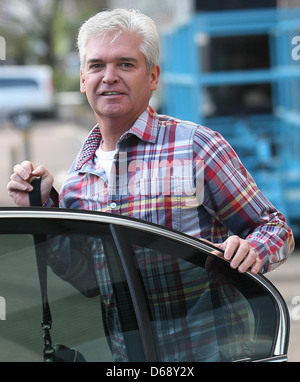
[[115, 77]]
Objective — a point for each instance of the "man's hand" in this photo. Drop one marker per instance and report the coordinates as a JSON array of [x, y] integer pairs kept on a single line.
[[19, 185], [240, 254]]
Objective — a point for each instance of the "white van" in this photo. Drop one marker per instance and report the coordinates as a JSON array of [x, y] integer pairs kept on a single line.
[[26, 89]]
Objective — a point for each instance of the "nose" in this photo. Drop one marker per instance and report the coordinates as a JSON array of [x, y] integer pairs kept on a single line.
[[110, 75]]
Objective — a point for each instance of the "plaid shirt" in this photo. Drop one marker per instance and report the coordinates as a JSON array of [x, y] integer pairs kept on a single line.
[[180, 175], [187, 177]]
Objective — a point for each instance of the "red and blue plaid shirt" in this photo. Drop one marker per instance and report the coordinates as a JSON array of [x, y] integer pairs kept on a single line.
[[183, 176], [187, 177]]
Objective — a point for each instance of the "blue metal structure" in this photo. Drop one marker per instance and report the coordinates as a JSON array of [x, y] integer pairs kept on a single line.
[[238, 72]]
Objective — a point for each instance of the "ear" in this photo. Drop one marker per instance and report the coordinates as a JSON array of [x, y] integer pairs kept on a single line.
[[154, 77], [82, 83]]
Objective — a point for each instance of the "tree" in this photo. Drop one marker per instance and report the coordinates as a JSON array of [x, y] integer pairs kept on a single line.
[[43, 31]]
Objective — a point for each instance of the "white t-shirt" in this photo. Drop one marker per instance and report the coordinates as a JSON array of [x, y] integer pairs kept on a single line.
[[105, 158]]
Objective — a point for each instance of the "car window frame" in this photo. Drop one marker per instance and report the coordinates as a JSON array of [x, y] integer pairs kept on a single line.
[[115, 224], [279, 346]]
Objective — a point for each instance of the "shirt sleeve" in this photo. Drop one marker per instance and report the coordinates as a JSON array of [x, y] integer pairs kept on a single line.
[[232, 197]]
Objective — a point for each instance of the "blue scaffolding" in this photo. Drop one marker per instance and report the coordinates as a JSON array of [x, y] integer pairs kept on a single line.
[[198, 84]]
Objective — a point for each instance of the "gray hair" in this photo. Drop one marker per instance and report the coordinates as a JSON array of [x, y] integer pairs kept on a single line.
[[118, 21]]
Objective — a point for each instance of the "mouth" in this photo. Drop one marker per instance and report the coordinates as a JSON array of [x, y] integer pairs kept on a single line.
[[109, 94]]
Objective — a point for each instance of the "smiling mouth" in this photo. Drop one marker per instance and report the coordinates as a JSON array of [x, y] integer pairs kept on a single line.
[[111, 94]]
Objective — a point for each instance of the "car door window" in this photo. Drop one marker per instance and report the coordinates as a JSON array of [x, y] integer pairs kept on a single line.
[[201, 310], [122, 290], [85, 314]]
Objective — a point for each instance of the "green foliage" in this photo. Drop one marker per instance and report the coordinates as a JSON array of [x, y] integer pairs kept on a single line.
[[44, 32]]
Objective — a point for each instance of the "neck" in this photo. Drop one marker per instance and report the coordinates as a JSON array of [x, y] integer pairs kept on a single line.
[[108, 145], [111, 130], [111, 134]]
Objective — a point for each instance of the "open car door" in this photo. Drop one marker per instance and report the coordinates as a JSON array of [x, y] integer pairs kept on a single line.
[[120, 289]]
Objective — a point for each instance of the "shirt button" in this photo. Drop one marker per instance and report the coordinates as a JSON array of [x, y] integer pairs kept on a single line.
[[113, 205]]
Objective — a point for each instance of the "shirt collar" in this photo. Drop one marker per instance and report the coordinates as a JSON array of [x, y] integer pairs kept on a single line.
[[145, 128]]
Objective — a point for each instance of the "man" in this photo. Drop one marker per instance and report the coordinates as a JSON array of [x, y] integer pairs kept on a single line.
[[156, 168], [119, 55]]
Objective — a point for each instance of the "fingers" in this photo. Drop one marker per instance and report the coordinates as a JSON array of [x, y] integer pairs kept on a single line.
[[241, 255], [40, 171], [23, 170], [23, 173], [257, 266], [19, 184], [19, 179]]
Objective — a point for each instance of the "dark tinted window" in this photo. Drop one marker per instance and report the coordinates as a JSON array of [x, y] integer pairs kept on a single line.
[[233, 54], [200, 309], [77, 268], [17, 82], [217, 5], [236, 53], [123, 294], [239, 100]]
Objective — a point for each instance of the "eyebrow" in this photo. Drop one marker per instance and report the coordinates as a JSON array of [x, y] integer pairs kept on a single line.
[[95, 60]]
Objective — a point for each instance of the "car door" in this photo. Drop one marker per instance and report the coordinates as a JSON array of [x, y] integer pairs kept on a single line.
[[119, 289]]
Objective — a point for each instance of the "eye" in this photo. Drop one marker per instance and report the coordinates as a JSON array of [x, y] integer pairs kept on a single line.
[[126, 65], [96, 66]]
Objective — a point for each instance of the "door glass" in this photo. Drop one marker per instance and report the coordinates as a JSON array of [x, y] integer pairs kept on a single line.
[[81, 320], [201, 309]]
